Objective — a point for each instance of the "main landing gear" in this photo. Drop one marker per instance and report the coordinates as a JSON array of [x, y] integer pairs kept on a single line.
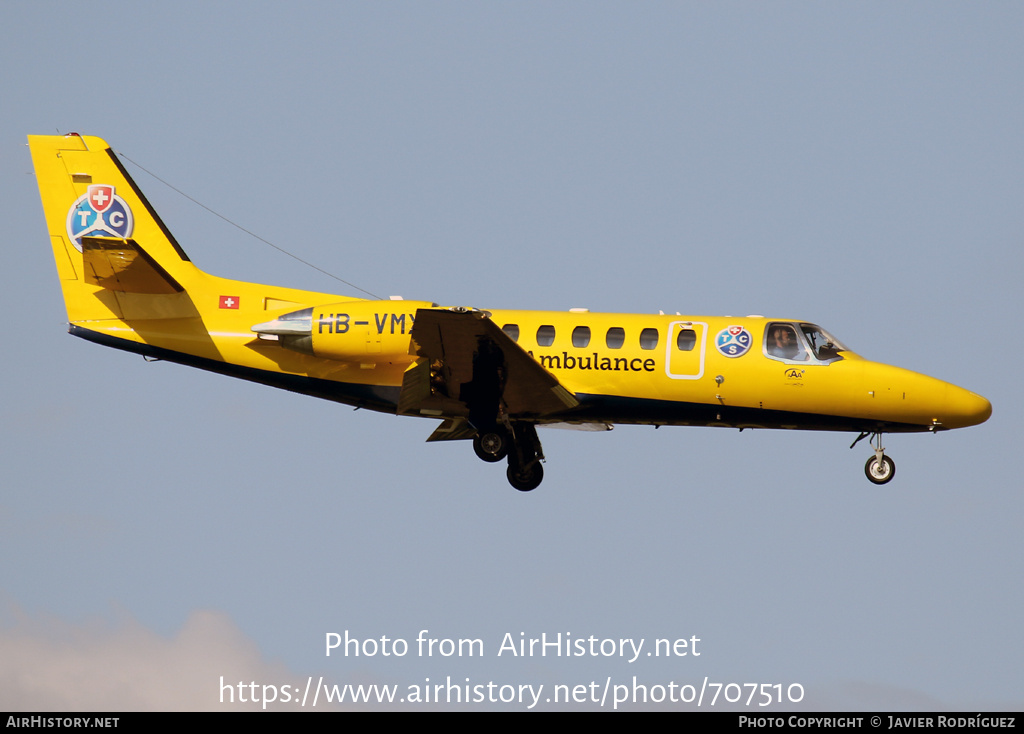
[[519, 443], [879, 469], [492, 445]]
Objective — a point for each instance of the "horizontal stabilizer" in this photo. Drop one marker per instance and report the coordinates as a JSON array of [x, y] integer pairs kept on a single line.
[[452, 429], [122, 265]]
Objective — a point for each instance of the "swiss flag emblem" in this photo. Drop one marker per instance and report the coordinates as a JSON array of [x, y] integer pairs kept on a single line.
[[101, 196], [734, 330], [229, 301]]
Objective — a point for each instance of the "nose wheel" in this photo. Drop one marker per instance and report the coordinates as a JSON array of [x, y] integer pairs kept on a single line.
[[879, 469]]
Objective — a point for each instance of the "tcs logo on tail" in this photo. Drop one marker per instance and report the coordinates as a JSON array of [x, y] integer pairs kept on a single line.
[[99, 212]]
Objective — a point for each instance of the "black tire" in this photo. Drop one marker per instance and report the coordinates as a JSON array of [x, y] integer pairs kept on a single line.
[[880, 472], [491, 446], [528, 480]]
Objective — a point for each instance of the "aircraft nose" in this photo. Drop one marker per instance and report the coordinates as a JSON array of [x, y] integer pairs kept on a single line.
[[965, 408]]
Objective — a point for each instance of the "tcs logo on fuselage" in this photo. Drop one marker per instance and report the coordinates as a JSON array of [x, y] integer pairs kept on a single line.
[[99, 212], [733, 341]]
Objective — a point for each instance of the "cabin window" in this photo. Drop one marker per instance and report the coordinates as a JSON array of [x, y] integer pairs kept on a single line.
[[686, 340], [782, 342], [648, 338], [615, 338], [512, 331], [545, 336], [581, 336]]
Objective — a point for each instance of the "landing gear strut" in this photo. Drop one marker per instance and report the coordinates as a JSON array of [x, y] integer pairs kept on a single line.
[[879, 469]]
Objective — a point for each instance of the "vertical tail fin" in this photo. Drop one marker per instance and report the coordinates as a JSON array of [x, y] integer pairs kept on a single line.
[[128, 284], [107, 240]]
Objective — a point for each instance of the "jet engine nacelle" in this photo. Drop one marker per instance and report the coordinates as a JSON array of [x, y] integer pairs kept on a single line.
[[349, 331]]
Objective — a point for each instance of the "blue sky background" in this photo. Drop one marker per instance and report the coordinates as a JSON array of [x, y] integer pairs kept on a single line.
[[858, 165]]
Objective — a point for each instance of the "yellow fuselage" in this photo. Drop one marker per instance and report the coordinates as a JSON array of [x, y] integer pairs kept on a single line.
[[364, 348]]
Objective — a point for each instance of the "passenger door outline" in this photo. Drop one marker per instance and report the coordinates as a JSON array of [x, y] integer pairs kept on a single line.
[[679, 365]]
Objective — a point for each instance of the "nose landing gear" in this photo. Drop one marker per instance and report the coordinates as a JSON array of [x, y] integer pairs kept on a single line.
[[879, 469]]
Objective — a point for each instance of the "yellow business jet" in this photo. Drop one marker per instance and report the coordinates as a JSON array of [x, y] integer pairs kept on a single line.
[[491, 376]]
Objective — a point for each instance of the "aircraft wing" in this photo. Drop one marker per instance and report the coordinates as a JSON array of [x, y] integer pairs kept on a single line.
[[466, 359]]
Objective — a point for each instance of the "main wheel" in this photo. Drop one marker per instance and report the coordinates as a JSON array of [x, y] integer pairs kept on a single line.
[[491, 446], [882, 471], [527, 480]]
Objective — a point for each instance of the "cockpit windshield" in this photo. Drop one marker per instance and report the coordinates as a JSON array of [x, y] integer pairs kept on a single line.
[[801, 343], [823, 345]]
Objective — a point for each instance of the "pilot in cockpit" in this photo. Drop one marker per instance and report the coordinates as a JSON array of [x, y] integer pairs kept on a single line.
[[782, 343]]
